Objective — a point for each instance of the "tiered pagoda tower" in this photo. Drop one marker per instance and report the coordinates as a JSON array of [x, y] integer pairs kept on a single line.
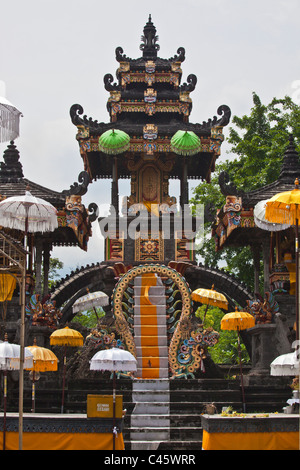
[[150, 104]]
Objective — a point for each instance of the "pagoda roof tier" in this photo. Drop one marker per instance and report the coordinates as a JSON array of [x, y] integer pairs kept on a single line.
[[150, 48], [99, 165], [234, 223]]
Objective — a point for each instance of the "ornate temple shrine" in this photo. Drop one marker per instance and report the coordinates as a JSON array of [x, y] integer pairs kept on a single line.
[[149, 275], [150, 104]]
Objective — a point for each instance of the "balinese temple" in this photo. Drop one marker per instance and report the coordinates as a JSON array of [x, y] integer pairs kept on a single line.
[[149, 277], [150, 105]]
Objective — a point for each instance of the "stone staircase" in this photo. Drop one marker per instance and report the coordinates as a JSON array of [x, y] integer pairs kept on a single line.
[[150, 328], [150, 418]]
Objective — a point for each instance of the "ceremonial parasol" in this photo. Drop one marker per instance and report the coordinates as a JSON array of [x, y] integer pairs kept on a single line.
[[10, 355], [260, 220], [9, 120], [284, 208], [286, 364], [185, 143], [113, 359], [28, 214], [210, 297], [114, 141], [66, 337], [238, 321], [90, 300], [44, 360]]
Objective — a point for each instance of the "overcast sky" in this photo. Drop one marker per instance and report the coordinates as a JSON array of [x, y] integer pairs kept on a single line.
[[55, 53]]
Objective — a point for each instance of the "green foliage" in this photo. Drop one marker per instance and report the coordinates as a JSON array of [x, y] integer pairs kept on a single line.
[[226, 350], [258, 142], [89, 318]]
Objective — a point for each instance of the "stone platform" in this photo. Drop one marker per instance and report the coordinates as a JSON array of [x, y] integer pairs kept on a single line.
[[47, 431]]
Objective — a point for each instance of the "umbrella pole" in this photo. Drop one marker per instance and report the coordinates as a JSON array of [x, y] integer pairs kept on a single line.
[[33, 392], [64, 380], [297, 278], [205, 314], [22, 346], [4, 404], [241, 372], [114, 410]]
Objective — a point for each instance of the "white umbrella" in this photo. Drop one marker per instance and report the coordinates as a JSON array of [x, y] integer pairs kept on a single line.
[[286, 364], [28, 213], [261, 222], [9, 120], [114, 359], [90, 300], [10, 355]]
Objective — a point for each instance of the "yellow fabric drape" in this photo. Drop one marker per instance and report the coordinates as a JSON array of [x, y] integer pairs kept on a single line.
[[149, 334], [250, 441], [62, 441], [152, 207], [7, 286]]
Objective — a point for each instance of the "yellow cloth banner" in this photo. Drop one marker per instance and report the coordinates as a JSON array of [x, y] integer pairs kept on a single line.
[[250, 441], [62, 441], [148, 314], [7, 286]]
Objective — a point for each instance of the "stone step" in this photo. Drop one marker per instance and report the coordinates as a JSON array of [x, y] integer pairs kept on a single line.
[[138, 283], [150, 320], [150, 340], [149, 433], [157, 384], [151, 408], [150, 421], [156, 301], [153, 373], [146, 350], [150, 362], [151, 331]]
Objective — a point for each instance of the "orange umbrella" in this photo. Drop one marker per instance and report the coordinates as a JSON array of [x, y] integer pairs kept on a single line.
[[238, 321], [285, 208], [66, 337], [210, 297], [43, 360]]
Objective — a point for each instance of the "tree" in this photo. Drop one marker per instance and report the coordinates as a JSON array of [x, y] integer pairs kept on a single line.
[[89, 319], [226, 350], [258, 141], [55, 265]]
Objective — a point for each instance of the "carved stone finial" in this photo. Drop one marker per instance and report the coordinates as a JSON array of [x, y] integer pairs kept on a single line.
[[11, 169], [149, 38], [290, 165]]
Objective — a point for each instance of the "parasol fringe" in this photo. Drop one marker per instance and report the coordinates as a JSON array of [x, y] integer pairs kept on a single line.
[[9, 123], [114, 151], [280, 215], [66, 341], [185, 152]]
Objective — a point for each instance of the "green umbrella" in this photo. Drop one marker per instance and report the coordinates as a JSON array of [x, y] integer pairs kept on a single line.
[[185, 143], [114, 141]]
